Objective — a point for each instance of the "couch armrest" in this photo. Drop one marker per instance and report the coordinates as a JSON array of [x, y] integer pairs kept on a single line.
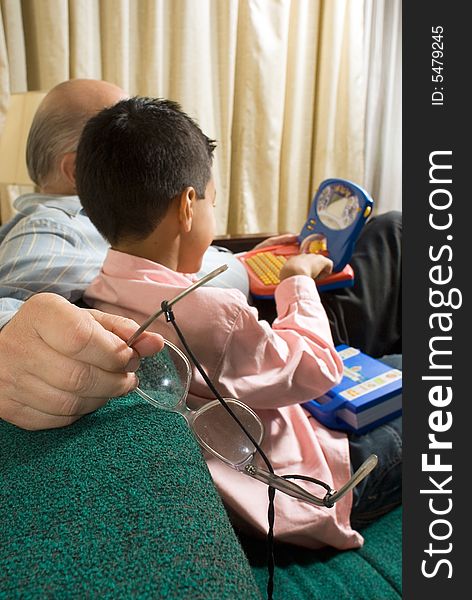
[[120, 504]]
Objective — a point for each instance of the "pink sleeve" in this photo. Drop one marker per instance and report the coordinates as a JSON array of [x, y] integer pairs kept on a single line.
[[291, 362]]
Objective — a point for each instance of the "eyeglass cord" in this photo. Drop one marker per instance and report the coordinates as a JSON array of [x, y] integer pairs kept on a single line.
[[170, 318]]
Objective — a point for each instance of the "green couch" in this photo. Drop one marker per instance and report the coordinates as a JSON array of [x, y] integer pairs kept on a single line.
[[121, 505]]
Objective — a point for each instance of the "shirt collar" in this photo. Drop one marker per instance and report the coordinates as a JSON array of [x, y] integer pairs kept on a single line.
[[126, 266], [68, 204]]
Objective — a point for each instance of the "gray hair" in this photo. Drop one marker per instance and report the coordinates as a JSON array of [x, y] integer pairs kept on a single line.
[[50, 137]]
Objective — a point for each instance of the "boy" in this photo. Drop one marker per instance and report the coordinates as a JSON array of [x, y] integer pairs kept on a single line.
[[150, 165]]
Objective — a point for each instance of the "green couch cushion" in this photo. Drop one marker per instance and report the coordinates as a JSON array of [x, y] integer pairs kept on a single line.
[[373, 572], [121, 505], [118, 505]]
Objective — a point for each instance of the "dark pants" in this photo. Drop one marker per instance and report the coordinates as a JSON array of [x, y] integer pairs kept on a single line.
[[368, 315], [381, 490]]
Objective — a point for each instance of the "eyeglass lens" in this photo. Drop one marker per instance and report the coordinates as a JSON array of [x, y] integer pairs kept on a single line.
[[164, 378], [219, 433]]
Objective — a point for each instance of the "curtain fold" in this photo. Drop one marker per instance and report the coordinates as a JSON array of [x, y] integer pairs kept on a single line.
[[383, 133], [280, 84], [340, 93], [296, 186], [85, 52], [261, 58], [12, 48], [46, 31]]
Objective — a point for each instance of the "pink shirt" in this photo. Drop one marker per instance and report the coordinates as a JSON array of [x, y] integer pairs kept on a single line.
[[272, 369]]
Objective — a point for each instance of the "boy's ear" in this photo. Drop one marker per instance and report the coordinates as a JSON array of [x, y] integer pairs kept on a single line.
[[67, 167], [186, 202]]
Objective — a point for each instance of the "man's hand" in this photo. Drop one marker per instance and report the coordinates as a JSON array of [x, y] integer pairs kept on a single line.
[[59, 362], [315, 266]]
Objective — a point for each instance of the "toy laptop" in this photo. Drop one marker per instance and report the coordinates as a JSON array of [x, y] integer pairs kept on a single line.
[[368, 395], [337, 214]]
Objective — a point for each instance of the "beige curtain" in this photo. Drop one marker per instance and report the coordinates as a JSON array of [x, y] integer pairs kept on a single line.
[[279, 83], [383, 135]]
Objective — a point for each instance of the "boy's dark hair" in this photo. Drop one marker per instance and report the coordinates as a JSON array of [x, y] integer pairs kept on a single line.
[[133, 159]]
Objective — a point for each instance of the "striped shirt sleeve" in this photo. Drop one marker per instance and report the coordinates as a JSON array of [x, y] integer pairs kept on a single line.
[[40, 255]]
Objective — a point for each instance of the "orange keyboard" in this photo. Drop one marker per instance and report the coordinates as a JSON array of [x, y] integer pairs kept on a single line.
[[263, 268], [266, 265]]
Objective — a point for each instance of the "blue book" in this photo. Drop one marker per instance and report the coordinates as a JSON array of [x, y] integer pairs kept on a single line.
[[369, 394]]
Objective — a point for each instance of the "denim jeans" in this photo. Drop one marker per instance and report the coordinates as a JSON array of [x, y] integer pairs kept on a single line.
[[381, 490]]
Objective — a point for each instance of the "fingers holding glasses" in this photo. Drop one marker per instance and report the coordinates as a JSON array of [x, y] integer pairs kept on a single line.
[[147, 344], [96, 338], [42, 398], [77, 377], [59, 362]]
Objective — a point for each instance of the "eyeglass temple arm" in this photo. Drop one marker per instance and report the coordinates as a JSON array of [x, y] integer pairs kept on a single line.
[[294, 490], [367, 466], [159, 312]]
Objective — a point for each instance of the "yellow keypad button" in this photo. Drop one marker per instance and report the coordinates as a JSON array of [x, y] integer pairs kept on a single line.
[[266, 266]]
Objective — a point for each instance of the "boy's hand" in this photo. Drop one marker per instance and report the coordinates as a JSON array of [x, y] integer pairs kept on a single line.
[[284, 238], [315, 266]]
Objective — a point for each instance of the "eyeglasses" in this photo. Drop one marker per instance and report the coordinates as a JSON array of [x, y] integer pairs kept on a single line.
[[225, 427], [164, 381]]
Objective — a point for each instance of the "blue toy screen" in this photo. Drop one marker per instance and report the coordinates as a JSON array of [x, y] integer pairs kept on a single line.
[[337, 215]]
